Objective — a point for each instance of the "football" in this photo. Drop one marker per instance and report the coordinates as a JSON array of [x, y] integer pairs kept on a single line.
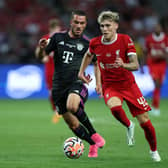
[[73, 147]]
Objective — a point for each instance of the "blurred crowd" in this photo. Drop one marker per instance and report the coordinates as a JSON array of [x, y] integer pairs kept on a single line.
[[23, 22]]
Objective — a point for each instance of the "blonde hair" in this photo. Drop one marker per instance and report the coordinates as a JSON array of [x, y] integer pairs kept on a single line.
[[108, 15], [53, 23]]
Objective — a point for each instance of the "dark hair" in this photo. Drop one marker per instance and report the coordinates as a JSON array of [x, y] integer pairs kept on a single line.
[[78, 12]]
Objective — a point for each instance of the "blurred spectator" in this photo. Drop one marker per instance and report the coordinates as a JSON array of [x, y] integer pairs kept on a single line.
[[24, 22], [156, 52]]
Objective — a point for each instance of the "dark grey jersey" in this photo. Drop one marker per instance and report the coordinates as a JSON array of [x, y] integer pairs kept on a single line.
[[68, 55]]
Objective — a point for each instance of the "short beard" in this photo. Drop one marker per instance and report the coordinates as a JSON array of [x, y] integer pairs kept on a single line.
[[75, 35]]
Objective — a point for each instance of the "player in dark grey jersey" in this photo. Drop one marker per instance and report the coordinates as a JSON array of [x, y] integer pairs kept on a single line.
[[69, 93]]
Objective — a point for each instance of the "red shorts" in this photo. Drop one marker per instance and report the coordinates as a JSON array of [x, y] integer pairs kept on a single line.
[[48, 78], [157, 70], [133, 97], [49, 71]]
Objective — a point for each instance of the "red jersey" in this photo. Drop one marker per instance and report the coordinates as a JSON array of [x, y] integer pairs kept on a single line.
[[49, 67], [156, 46], [122, 46]]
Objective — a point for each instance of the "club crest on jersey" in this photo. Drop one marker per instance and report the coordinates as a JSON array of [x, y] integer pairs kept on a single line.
[[61, 43], [107, 95], [80, 46], [108, 55], [117, 53]]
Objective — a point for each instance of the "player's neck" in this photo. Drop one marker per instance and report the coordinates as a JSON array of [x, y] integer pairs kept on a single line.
[[110, 39], [72, 35]]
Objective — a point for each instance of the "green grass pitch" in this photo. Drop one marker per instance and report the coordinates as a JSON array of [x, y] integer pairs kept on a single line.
[[28, 138]]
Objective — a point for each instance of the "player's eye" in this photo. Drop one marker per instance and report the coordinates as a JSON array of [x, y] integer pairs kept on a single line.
[[76, 22]]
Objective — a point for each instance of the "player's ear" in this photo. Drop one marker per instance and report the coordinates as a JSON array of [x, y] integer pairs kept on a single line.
[[116, 26]]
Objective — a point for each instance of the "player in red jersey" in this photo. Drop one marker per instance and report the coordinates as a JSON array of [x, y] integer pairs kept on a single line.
[[156, 48], [116, 56], [49, 64]]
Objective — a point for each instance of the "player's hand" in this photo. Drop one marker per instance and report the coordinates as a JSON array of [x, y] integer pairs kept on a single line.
[[86, 79], [45, 59], [119, 63], [99, 90], [43, 43]]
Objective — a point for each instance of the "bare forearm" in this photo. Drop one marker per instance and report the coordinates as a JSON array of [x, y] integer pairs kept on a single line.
[[97, 75], [40, 53], [131, 66], [133, 63], [85, 62]]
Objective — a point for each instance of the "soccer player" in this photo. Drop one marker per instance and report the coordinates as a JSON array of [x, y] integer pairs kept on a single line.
[[54, 27], [156, 48], [68, 92], [116, 56]]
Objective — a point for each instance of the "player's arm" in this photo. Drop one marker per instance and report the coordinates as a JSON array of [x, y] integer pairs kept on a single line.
[[85, 62], [40, 54], [40, 49], [132, 65], [98, 79]]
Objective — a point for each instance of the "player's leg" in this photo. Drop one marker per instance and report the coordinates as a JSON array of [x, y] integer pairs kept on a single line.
[[115, 105], [77, 97], [81, 132], [158, 77], [75, 106], [48, 76], [63, 105], [56, 117], [139, 107], [150, 135], [76, 127], [157, 72], [156, 98]]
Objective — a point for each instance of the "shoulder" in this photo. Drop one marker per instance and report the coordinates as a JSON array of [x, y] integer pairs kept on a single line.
[[148, 37], [46, 36], [125, 39], [84, 40], [95, 40], [59, 34], [123, 36]]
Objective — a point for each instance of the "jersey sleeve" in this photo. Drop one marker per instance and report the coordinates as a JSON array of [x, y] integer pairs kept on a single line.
[[166, 44], [45, 37], [130, 46], [94, 59], [51, 45], [91, 49]]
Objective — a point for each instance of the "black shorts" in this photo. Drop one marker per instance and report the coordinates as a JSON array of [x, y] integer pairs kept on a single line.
[[60, 95]]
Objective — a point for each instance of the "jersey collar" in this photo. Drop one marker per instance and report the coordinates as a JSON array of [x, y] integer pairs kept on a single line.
[[110, 42], [158, 38]]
